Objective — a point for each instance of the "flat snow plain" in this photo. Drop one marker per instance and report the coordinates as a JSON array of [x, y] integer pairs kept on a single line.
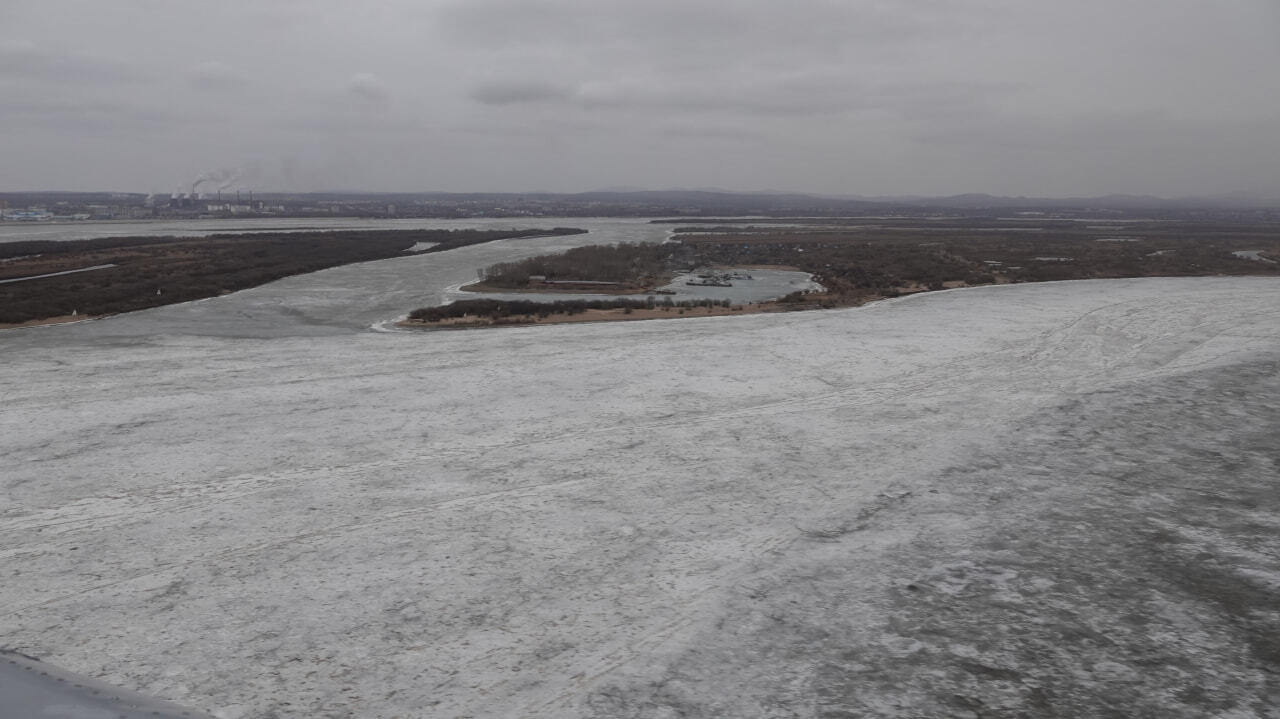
[[1035, 500]]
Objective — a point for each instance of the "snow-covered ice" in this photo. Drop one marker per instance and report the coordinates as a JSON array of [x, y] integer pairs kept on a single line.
[[942, 504]]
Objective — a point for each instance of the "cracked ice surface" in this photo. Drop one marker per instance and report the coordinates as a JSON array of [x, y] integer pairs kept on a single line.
[[971, 503]]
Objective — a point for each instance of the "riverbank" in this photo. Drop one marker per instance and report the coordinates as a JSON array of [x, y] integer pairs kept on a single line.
[[563, 287], [612, 315], [629, 314]]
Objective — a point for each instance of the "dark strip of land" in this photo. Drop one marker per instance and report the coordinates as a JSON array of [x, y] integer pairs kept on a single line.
[[151, 271], [860, 260]]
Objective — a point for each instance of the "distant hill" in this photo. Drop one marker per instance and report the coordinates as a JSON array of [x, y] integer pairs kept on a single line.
[[674, 202]]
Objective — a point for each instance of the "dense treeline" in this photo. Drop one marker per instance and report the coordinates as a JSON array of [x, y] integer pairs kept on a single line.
[[638, 264], [491, 309], [152, 271]]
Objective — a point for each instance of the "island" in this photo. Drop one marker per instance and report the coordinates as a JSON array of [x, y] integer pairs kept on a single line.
[[853, 260]]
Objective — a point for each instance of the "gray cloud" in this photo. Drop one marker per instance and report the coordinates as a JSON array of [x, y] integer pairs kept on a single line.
[[367, 86], [215, 75], [739, 29], [85, 116], [815, 94], [52, 67], [512, 92], [838, 96]]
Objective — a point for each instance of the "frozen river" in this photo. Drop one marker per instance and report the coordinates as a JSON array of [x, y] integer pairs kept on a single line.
[[355, 297], [383, 290], [989, 501]]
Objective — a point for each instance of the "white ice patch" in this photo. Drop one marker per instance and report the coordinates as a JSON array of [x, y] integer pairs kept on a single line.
[[257, 501]]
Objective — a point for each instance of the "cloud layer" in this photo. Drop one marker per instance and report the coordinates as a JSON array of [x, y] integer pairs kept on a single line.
[[836, 96]]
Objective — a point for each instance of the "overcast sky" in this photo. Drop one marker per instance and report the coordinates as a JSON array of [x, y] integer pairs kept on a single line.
[[871, 97]]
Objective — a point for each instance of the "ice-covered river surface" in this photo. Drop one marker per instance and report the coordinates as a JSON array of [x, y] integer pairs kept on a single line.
[[1034, 500]]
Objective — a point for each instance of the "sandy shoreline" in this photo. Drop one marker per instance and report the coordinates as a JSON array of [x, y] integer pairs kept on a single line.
[[613, 315], [812, 302]]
